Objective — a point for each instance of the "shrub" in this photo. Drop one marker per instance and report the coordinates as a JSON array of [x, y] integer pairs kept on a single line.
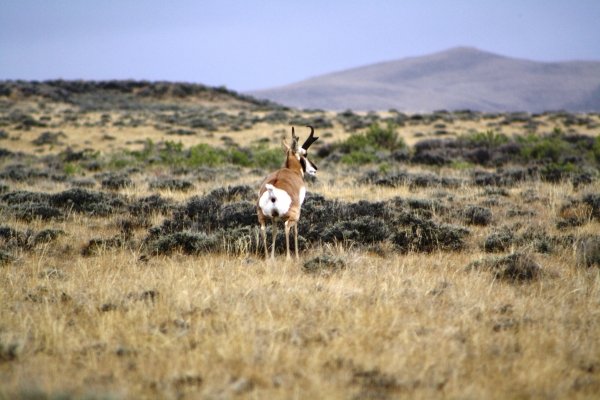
[[240, 157], [51, 138], [498, 241], [172, 184], [265, 157], [71, 169], [462, 165], [596, 149], [587, 251], [5, 257], [96, 245], [121, 160], [242, 213], [356, 142], [515, 267], [593, 201], [367, 147], [146, 152], [116, 182], [185, 241], [423, 235], [488, 139], [32, 211], [476, 215], [359, 157], [203, 154], [87, 201], [46, 236], [384, 138], [555, 172], [360, 230], [353, 122], [146, 206], [323, 264], [550, 147]]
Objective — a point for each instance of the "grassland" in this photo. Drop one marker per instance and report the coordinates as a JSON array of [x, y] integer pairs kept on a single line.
[[459, 262]]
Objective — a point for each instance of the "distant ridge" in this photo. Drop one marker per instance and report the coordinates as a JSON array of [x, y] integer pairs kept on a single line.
[[459, 78], [110, 94]]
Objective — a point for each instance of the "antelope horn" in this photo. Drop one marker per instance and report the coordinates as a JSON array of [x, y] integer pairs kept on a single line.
[[311, 139], [295, 138]]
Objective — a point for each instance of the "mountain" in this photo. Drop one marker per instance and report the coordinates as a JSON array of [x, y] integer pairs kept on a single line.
[[459, 78]]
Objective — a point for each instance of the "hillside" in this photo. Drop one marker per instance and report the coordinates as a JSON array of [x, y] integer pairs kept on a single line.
[[459, 78], [125, 95]]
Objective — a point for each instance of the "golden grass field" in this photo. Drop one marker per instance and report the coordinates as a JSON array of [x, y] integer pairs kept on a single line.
[[119, 325]]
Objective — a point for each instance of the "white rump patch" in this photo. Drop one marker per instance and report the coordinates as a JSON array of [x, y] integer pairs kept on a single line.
[[274, 202]]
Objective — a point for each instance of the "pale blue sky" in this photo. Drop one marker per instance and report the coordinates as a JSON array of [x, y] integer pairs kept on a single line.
[[254, 44]]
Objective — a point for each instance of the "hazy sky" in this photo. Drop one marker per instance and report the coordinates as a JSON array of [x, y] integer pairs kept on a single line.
[[254, 44]]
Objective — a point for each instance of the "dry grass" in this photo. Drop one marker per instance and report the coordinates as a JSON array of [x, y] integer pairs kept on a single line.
[[118, 324], [87, 132], [218, 326], [215, 326]]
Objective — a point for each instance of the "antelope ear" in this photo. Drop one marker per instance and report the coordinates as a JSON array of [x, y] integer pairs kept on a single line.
[[284, 146]]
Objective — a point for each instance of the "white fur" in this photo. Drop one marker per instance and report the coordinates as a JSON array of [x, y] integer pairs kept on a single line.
[[279, 207], [310, 169], [302, 194]]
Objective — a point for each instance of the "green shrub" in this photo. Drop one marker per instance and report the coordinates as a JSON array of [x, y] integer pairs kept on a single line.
[[239, 157], [71, 169], [550, 147], [144, 154], [384, 138], [554, 172], [359, 158], [121, 160], [356, 142], [172, 153], [461, 165], [596, 149], [265, 157], [203, 154], [362, 148], [488, 138]]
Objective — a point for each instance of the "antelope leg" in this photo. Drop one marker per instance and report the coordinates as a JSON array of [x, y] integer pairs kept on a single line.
[[274, 233], [263, 231], [287, 239], [296, 239]]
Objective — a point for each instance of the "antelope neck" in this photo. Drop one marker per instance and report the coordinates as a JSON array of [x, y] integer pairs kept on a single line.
[[293, 163]]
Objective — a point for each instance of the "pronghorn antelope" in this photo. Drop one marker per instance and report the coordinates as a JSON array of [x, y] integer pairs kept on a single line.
[[282, 193]]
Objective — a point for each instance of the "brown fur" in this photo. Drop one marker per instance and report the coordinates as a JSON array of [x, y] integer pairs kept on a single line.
[[289, 178], [291, 182]]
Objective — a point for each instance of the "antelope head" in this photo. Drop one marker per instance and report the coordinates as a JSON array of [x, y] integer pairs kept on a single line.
[[307, 166]]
